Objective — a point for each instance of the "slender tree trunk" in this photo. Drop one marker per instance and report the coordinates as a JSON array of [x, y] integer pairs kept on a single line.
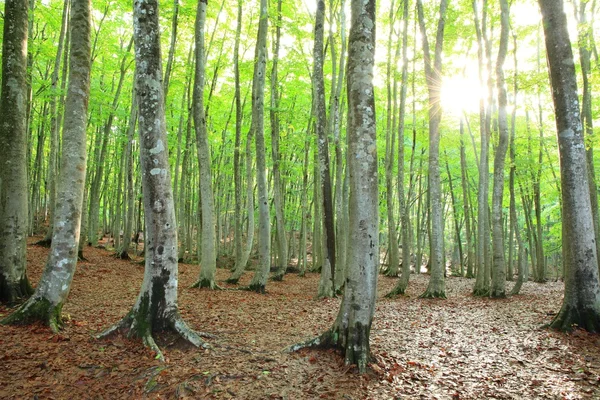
[[259, 280], [282, 245], [327, 283], [208, 263], [13, 164], [498, 287], [46, 302], [433, 72]]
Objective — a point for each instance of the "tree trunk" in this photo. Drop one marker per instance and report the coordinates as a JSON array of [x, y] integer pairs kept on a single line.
[[327, 283], [581, 303], [46, 302], [13, 164], [208, 263], [259, 280], [352, 327], [282, 246], [498, 287], [156, 306], [436, 288]]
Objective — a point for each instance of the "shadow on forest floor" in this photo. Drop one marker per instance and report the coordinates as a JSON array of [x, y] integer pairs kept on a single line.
[[459, 348]]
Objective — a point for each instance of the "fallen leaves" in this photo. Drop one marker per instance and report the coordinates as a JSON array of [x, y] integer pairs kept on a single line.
[[460, 348]]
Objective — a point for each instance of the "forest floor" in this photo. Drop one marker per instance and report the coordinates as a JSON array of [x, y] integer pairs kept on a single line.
[[459, 348]]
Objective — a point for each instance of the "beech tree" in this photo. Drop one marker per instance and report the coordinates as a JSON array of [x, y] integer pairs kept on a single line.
[[351, 330], [13, 164], [208, 263], [156, 307], [47, 301], [581, 304]]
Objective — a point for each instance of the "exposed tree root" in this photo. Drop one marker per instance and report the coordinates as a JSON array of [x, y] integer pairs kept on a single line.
[[352, 342], [131, 327], [397, 291], [481, 292], [494, 295], [80, 256], [570, 318], [233, 281], [37, 309], [206, 283], [256, 287], [433, 294]]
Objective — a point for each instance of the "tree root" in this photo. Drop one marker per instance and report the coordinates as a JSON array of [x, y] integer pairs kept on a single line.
[[206, 283], [256, 287], [570, 318], [37, 309], [432, 294], [397, 291], [481, 292], [129, 326]]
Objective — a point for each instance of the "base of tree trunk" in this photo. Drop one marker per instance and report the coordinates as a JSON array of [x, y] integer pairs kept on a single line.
[[570, 318], [257, 287], [45, 242], [37, 309], [494, 295], [12, 293], [399, 290], [517, 288], [123, 255], [391, 273], [352, 342], [233, 281], [481, 292], [279, 274], [433, 294], [135, 324], [206, 283]]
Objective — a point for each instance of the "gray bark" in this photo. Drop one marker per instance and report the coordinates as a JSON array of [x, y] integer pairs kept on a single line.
[[208, 263], [259, 280], [433, 72], [581, 303], [498, 287], [13, 164], [46, 302], [156, 306]]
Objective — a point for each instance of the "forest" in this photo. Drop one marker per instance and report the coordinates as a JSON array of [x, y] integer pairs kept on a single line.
[[299, 199]]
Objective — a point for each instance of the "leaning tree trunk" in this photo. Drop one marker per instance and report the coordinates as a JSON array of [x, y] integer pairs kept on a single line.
[[436, 288], [498, 287], [581, 303], [13, 164], [259, 280], [156, 306], [208, 262], [352, 327], [46, 302]]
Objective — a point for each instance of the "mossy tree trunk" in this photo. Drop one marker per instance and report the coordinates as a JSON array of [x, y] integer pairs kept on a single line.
[[581, 303], [156, 307], [351, 330], [46, 302], [13, 163]]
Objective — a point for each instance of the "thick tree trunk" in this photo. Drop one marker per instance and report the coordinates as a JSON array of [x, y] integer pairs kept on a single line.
[[46, 302], [352, 327], [156, 306], [581, 303], [208, 263], [13, 164]]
